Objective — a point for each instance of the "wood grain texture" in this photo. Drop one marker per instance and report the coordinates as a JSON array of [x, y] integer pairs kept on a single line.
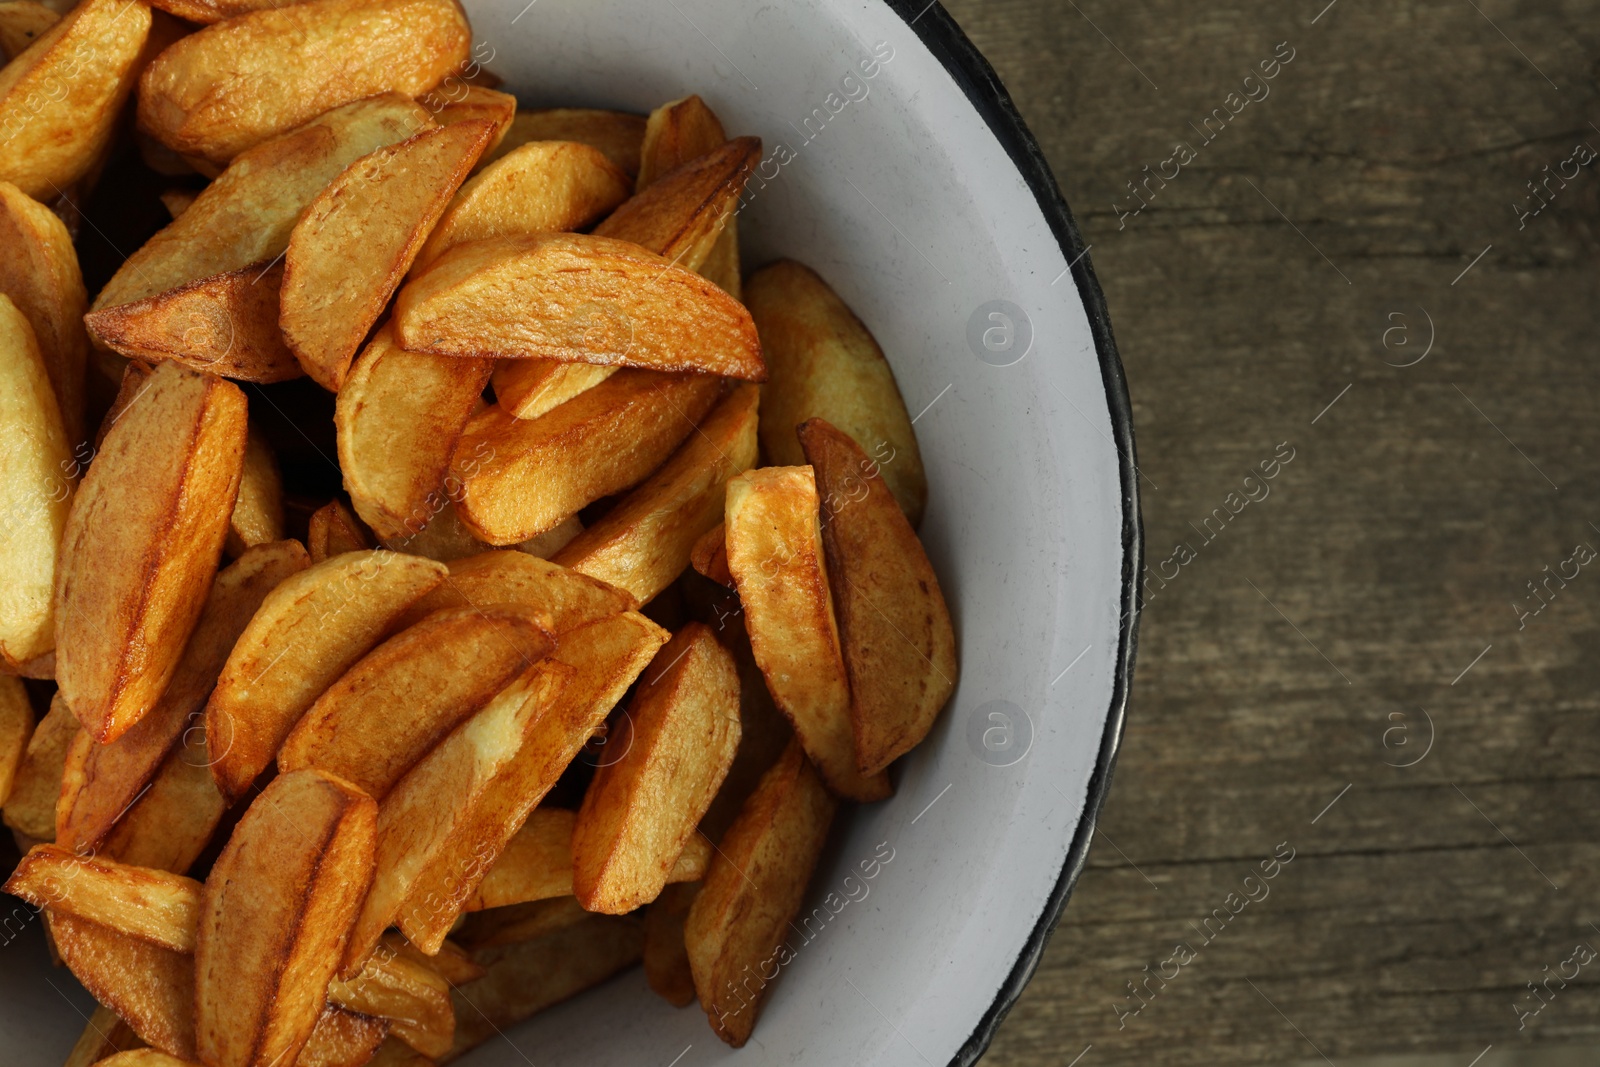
[[1247, 296]]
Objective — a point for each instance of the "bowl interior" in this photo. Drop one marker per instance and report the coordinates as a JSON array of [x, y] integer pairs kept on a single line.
[[882, 175]]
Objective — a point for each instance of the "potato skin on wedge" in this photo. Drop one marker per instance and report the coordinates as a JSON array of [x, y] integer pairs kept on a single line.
[[275, 916], [740, 921], [37, 473], [678, 739], [141, 545], [579, 299], [231, 86]]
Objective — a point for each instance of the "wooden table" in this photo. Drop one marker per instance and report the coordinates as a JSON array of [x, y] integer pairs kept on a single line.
[[1350, 268]]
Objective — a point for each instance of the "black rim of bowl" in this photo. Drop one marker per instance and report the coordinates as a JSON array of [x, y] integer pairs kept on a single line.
[[940, 34]]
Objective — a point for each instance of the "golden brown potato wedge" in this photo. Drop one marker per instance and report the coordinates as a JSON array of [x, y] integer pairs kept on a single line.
[[709, 556], [225, 324], [153, 906], [342, 1039], [899, 646], [455, 100], [16, 727], [151, 987], [577, 299], [825, 364], [245, 217], [257, 517], [104, 1035], [132, 382], [526, 977], [144, 1057], [59, 99], [420, 819], [531, 474], [445, 538], [666, 957], [220, 91], [114, 774], [681, 214], [645, 542], [740, 920], [541, 187], [527, 388], [564, 597], [398, 418], [275, 917], [334, 529], [677, 741], [675, 133], [451, 962], [205, 12], [142, 543], [21, 23], [776, 557], [411, 994], [31, 806], [35, 491], [173, 821], [307, 633], [617, 134], [356, 241], [39, 272], [537, 863], [607, 655], [441, 671]]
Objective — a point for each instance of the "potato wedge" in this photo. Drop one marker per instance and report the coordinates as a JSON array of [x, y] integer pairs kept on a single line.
[[225, 324], [144, 1057], [104, 1035], [173, 821], [709, 556], [398, 418], [576, 299], [445, 538], [666, 957], [31, 806], [141, 545], [150, 987], [617, 134], [644, 542], [531, 474], [540, 187], [451, 962], [245, 217], [132, 382], [115, 774], [681, 214], [35, 494], [21, 23], [675, 133], [677, 741], [527, 388], [441, 671], [275, 916], [899, 646], [776, 557], [16, 727], [227, 88], [455, 100], [153, 906], [334, 529], [412, 995], [825, 364], [59, 99], [529, 976], [607, 655], [564, 597], [740, 920], [433, 802], [257, 517], [39, 272], [537, 863], [356, 241], [342, 1039], [177, 201], [307, 633]]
